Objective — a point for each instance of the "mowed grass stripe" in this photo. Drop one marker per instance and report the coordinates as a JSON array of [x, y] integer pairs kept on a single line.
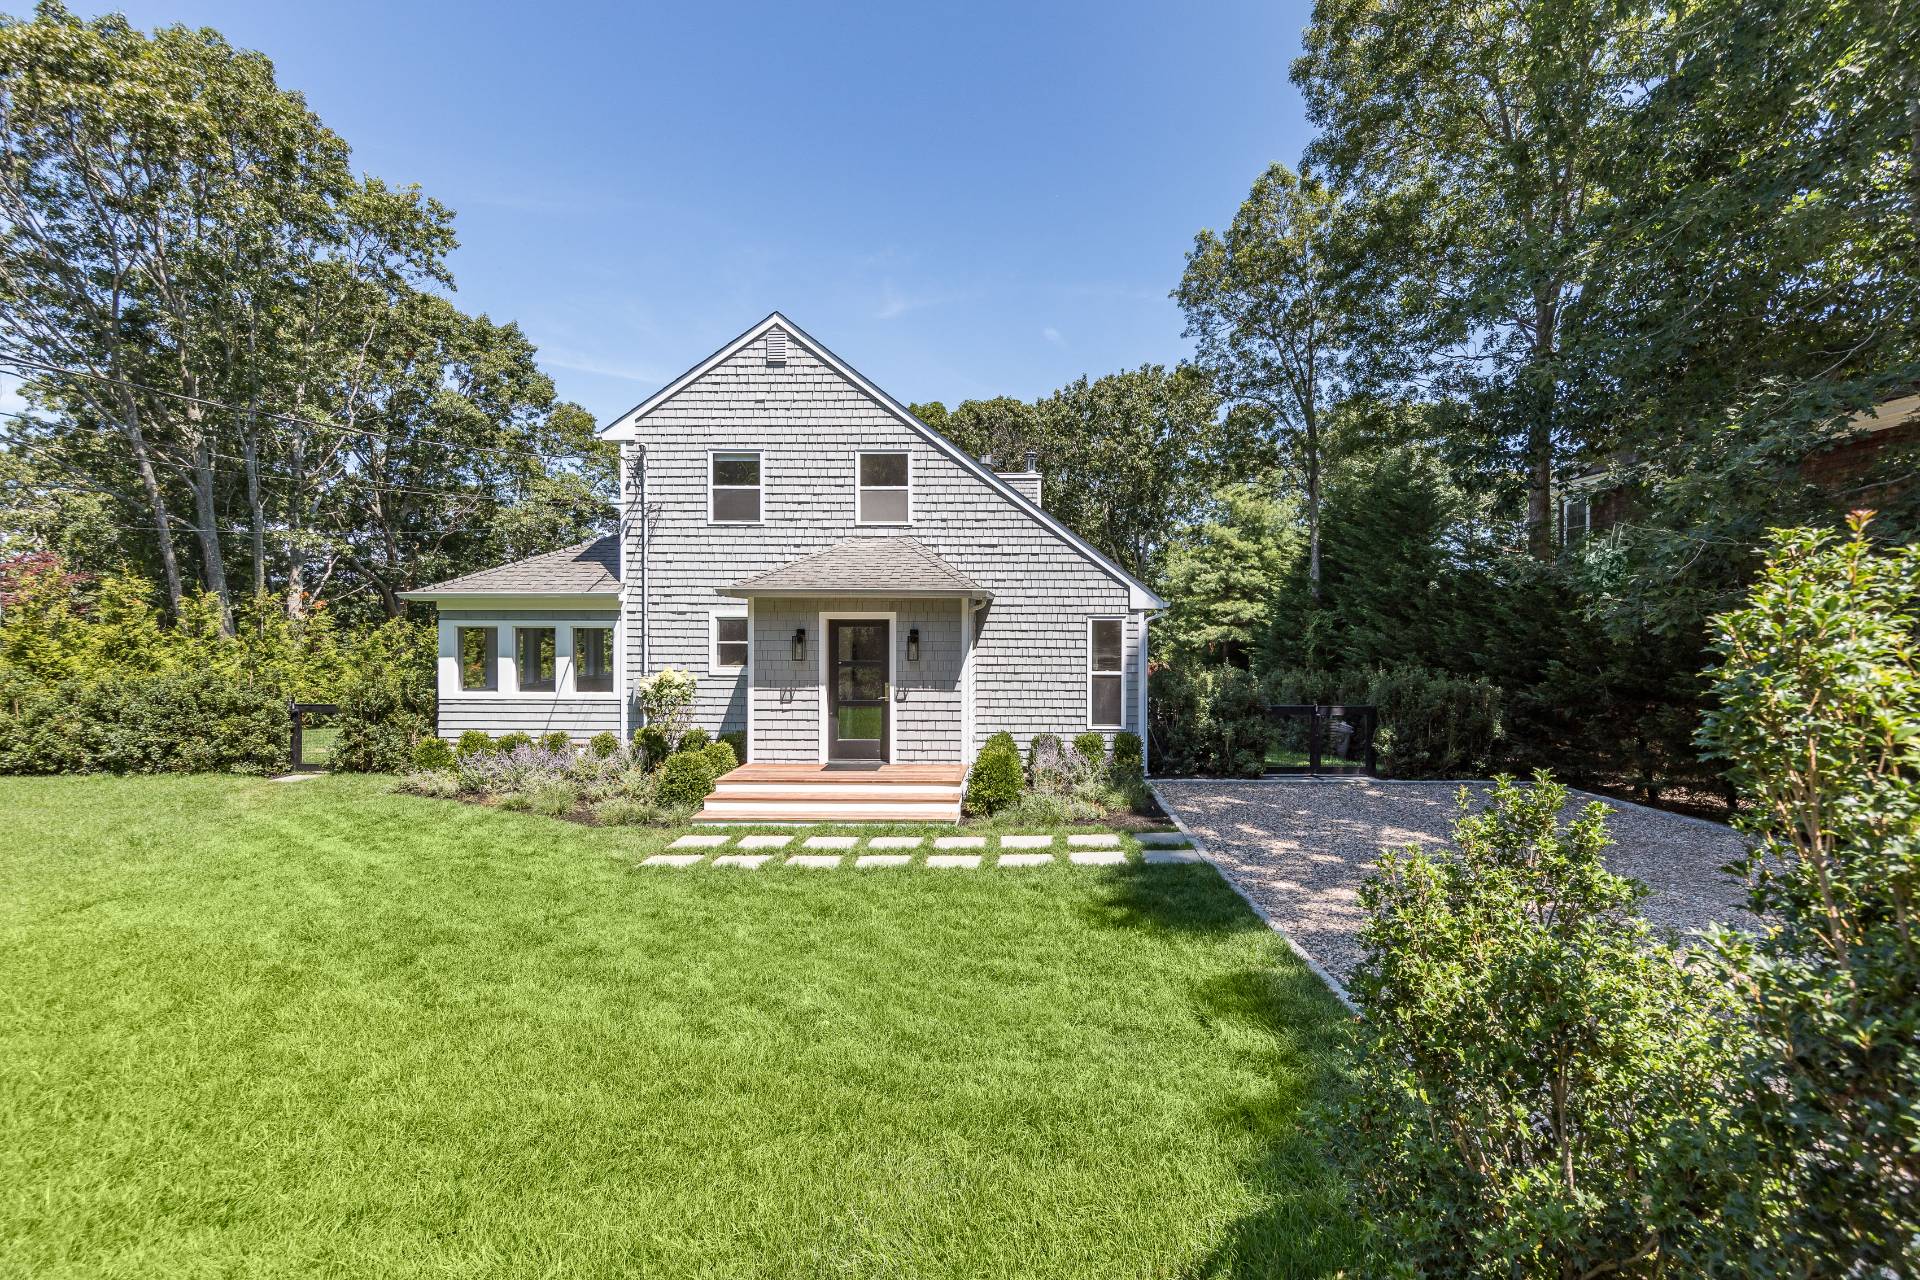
[[326, 1029]]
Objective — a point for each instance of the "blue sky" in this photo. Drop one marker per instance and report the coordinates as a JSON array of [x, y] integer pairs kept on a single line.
[[962, 200]]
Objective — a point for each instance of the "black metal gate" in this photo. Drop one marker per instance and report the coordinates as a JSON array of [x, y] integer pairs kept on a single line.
[[314, 732], [1322, 739]]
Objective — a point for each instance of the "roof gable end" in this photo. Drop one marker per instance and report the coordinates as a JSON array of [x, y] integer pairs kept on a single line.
[[624, 427]]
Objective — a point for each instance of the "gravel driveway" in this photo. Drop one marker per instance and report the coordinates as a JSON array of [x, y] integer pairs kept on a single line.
[[1301, 847]]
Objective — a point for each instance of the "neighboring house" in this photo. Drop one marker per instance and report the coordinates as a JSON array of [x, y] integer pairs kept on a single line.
[[847, 584], [1597, 499]]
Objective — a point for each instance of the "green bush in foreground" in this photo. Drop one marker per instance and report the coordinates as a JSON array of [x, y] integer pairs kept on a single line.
[[1534, 1067], [176, 722], [556, 741], [473, 742], [686, 779], [996, 779], [1818, 718], [694, 739], [603, 745], [1129, 762], [512, 742], [431, 754], [651, 746]]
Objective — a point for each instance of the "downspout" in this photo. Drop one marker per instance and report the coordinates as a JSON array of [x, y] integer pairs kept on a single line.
[[1146, 771]]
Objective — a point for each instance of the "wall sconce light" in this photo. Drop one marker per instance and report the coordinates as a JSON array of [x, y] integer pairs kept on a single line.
[[913, 644], [799, 644]]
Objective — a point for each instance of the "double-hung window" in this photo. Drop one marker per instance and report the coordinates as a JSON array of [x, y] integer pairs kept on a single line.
[[729, 651], [536, 653], [479, 649], [1106, 676], [733, 492], [593, 659], [884, 489]]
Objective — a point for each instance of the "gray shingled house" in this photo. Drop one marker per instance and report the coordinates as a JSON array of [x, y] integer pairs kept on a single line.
[[852, 590]]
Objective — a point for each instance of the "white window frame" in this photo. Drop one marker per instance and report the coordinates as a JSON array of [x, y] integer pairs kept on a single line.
[[859, 488], [714, 667], [506, 660], [1120, 671], [1584, 504], [760, 459], [460, 689], [572, 683]]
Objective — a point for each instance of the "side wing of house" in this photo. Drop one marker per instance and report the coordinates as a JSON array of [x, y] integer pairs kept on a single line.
[[530, 647], [836, 574]]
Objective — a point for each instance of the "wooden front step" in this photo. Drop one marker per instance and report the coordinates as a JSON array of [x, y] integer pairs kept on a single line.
[[830, 793]]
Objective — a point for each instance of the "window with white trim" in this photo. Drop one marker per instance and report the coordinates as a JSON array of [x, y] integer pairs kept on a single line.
[[884, 488], [1106, 674], [1576, 519], [536, 658], [593, 659], [733, 492], [479, 650], [728, 652]]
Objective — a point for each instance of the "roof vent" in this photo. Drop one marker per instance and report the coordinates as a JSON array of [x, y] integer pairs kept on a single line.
[[776, 346]]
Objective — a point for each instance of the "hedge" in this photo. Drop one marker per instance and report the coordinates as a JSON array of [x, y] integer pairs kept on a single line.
[[178, 722]]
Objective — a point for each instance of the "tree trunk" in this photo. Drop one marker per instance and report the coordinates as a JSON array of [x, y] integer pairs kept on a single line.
[[256, 509], [156, 499], [1313, 505], [213, 566], [296, 555], [1539, 446]]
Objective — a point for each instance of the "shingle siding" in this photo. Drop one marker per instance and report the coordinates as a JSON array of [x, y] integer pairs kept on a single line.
[[807, 422]]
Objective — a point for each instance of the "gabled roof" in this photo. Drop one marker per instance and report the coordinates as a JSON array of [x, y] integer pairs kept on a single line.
[[591, 568], [863, 566], [1139, 595]]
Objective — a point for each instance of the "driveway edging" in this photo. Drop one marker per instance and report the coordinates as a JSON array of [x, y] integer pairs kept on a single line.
[[1314, 966]]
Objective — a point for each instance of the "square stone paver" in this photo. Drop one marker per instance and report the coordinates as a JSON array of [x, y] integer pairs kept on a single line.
[[1172, 855], [966, 861], [1101, 841], [1097, 858], [1025, 859], [672, 859], [882, 860], [814, 860], [765, 842], [1025, 842], [698, 842], [830, 842], [751, 861], [1164, 839], [960, 842], [896, 842]]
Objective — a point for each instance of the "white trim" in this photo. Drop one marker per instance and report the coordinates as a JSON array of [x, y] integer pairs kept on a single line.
[[759, 461], [966, 681], [1122, 672], [482, 601], [747, 755], [713, 641], [1141, 728], [1139, 595], [893, 657], [506, 661], [858, 488]]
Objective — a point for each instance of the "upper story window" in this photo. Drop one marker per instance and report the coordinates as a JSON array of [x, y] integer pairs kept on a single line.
[[593, 659], [1576, 519], [885, 490], [733, 493]]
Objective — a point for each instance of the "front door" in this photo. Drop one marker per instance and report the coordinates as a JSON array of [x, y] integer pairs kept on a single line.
[[857, 688]]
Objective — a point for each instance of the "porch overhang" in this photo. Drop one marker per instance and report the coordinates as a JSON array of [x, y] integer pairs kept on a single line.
[[873, 567]]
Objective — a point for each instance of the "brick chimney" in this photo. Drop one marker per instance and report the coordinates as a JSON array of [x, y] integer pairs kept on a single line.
[[1027, 482]]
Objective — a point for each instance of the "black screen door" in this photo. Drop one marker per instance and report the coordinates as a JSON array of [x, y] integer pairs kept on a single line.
[[857, 690]]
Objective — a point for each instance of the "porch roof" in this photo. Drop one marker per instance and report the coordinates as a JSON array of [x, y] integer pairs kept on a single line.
[[863, 567]]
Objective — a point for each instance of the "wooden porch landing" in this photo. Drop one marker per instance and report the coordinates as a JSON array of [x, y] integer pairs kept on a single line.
[[837, 793]]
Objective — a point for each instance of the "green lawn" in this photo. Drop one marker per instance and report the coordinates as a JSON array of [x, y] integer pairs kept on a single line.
[[318, 1028]]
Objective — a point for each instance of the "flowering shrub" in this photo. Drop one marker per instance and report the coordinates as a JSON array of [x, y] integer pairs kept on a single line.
[[664, 697]]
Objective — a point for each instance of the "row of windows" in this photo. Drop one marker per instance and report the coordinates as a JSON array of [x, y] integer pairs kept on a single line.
[[536, 659], [882, 487]]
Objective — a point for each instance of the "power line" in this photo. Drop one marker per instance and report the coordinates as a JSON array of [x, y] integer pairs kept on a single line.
[[271, 415]]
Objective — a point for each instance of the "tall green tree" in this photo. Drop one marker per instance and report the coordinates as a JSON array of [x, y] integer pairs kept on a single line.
[[1223, 576], [1273, 320], [1478, 138]]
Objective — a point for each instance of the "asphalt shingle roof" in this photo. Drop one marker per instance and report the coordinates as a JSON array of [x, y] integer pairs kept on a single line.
[[593, 565], [862, 566]]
